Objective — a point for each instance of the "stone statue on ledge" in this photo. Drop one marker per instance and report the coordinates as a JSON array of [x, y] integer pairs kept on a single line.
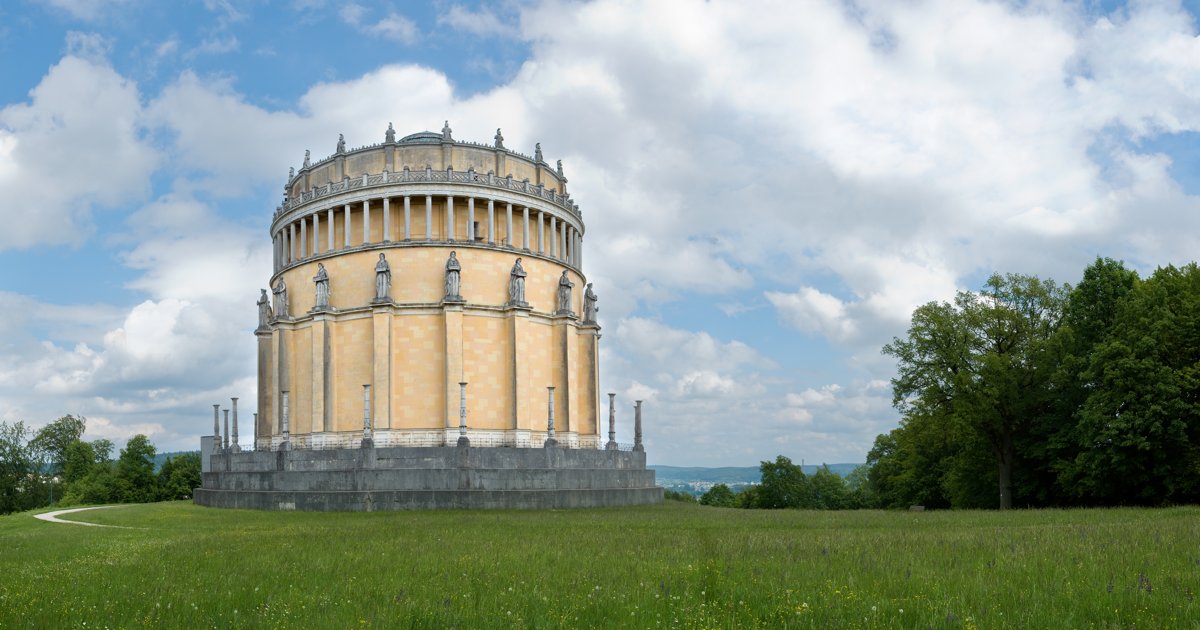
[[307, 158], [453, 269], [341, 145], [537, 153], [564, 294], [446, 132], [281, 300], [499, 139], [264, 310], [389, 136], [322, 282], [516, 285], [383, 279], [589, 305]]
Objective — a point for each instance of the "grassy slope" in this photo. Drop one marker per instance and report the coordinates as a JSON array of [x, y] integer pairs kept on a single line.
[[672, 566]]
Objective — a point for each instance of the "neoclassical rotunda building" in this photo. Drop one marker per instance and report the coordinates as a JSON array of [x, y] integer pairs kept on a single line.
[[428, 320], [396, 267]]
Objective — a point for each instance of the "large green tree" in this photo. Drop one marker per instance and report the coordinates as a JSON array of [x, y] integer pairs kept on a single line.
[[720, 495], [135, 471], [784, 485], [52, 441], [178, 476], [17, 468], [1051, 444], [1139, 428], [981, 366]]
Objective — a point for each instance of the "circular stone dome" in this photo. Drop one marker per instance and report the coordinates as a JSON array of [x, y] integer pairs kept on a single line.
[[422, 137]]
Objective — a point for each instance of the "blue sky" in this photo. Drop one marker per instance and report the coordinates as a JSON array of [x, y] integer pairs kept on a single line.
[[766, 199]]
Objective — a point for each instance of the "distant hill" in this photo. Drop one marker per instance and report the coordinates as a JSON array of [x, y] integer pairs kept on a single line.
[[697, 480]]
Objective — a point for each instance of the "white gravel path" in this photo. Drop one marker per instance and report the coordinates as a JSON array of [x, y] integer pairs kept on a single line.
[[52, 517]]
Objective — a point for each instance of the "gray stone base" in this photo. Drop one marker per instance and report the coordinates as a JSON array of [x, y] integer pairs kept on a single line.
[[371, 479]]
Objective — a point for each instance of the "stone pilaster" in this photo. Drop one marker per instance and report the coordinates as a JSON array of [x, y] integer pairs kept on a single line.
[[522, 391], [381, 320], [266, 386], [570, 383], [319, 336], [453, 321]]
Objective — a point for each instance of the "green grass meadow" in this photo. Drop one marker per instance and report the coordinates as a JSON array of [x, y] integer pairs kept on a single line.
[[675, 565]]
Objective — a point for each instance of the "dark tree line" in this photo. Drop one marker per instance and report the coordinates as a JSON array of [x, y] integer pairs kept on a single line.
[[785, 485], [54, 465], [1028, 393]]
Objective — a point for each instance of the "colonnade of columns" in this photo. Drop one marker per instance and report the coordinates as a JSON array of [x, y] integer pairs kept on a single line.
[[541, 232]]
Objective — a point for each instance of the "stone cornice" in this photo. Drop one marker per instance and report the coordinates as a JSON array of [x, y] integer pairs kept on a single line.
[[459, 245], [429, 176], [354, 195]]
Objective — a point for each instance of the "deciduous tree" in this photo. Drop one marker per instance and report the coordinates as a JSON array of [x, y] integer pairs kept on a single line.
[[981, 363]]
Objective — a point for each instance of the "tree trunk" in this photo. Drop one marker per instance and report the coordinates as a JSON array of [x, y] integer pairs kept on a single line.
[[1005, 461]]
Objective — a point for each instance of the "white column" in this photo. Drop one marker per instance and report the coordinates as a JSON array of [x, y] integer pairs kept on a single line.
[[541, 232], [407, 218], [450, 217], [387, 221], [303, 237], [291, 242], [525, 225], [553, 236], [366, 222], [346, 230], [329, 236], [471, 219], [275, 251], [316, 233], [508, 233], [429, 217], [564, 249], [491, 222]]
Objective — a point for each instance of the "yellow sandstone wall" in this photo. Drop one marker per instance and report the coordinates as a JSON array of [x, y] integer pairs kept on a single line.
[[507, 357]]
